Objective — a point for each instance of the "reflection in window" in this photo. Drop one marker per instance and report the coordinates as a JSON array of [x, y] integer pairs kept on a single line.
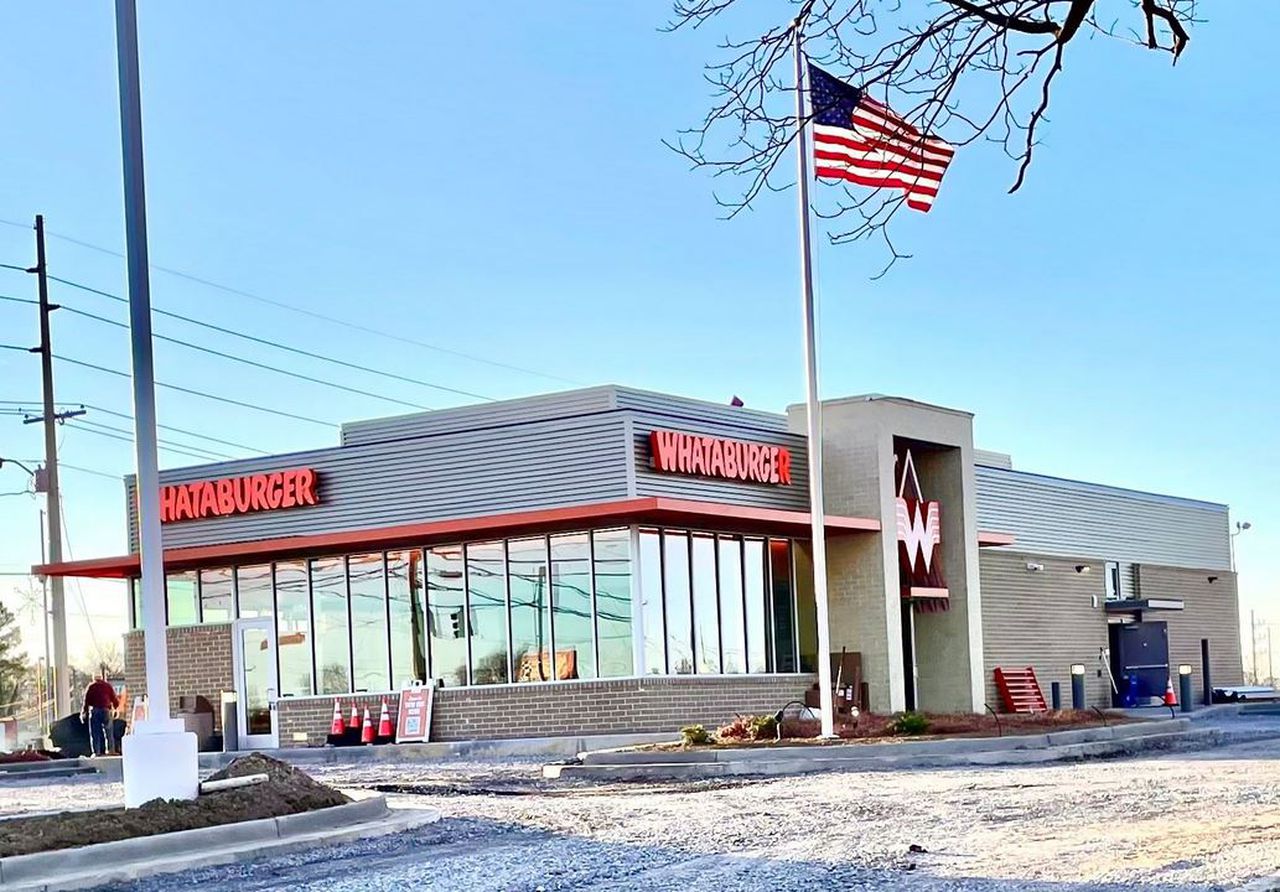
[[612, 553], [732, 618], [782, 602], [253, 591], [487, 594], [675, 572], [571, 606], [706, 621], [332, 637], [293, 628], [369, 657], [758, 639], [530, 609], [806, 609], [180, 598], [135, 600], [408, 634], [446, 614], [655, 652], [216, 601]]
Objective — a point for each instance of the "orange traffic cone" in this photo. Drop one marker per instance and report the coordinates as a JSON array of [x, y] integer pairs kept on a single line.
[[1169, 698], [336, 727], [354, 721], [366, 731], [384, 722]]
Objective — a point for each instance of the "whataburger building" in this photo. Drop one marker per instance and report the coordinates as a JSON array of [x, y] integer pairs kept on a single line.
[[614, 560]]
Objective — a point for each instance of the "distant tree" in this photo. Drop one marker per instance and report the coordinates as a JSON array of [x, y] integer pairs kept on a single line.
[[13, 663], [965, 70]]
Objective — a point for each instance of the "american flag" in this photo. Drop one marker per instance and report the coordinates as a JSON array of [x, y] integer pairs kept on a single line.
[[857, 139]]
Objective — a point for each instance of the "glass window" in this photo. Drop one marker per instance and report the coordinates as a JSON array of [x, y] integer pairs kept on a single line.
[[782, 604], [758, 643], [216, 602], [806, 609], [332, 636], [733, 628], [611, 550], [180, 598], [446, 619], [253, 591], [706, 621], [487, 595], [675, 573], [370, 659], [408, 634], [135, 602], [530, 609], [571, 606], [655, 653], [293, 628]]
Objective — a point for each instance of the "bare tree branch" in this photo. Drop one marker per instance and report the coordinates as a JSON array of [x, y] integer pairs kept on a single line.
[[967, 71]]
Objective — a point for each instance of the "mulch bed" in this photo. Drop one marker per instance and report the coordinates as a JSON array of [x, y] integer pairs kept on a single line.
[[875, 728], [288, 791]]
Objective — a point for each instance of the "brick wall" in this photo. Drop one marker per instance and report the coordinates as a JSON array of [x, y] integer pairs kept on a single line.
[[199, 663], [551, 710]]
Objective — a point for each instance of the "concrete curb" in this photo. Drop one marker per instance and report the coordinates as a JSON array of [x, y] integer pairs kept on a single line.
[[131, 859], [1265, 884], [1090, 743]]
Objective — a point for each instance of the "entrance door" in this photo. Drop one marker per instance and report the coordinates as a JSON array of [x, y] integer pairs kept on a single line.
[[256, 683]]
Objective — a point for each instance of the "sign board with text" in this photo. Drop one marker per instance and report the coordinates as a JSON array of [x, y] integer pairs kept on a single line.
[[413, 720], [230, 496], [674, 452]]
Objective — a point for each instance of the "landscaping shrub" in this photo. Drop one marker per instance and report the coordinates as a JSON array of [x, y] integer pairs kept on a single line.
[[907, 723], [749, 727], [694, 735], [764, 727]]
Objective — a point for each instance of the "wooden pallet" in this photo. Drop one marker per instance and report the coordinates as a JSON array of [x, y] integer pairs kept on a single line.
[[1019, 690]]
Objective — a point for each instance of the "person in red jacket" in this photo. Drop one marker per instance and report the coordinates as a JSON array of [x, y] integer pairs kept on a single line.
[[100, 702]]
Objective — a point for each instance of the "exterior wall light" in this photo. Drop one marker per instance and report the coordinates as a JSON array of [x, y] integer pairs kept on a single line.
[[1077, 668], [1083, 568], [1184, 668], [1033, 567]]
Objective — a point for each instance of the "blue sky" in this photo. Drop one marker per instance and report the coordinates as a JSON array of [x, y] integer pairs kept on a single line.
[[491, 181]]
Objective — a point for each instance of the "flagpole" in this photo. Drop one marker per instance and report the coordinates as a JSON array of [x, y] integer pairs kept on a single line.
[[813, 405]]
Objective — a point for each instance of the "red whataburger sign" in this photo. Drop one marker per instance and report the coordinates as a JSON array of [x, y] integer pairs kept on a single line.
[[679, 453], [238, 495]]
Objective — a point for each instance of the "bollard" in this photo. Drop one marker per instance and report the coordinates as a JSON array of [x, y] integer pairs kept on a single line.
[[1184, 686], [230, 722], [1204, 671], [1077, 685], [1055, 695]]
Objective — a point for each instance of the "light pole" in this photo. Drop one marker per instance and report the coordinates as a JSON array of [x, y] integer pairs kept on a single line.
[[1241, 526], [160, 758]]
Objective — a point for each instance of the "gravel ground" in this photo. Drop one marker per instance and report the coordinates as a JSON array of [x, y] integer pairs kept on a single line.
[[1188, 821]]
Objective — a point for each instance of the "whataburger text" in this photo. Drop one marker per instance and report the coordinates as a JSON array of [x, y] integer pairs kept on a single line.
[[238, 495], [680, 453]]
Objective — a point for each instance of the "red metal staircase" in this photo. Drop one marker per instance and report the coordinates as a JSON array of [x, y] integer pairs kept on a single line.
[[1020, 690]]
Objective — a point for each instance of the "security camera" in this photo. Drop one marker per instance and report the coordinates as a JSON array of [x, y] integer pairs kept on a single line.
[[1212, 579], [1083, 568], [1033, 567]]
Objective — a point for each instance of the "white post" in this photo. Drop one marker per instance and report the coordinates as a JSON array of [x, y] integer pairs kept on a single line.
[[160, 757], [813, 411]]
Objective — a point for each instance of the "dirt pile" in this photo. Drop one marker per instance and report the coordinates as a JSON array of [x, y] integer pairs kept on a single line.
[[287, 791]]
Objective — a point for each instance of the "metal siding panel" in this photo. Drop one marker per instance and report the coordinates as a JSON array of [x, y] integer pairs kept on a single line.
[[700, 411], [1072, 519], [504, 412], [1045, 620], [465, 474], [1211, 610], [710, 489]]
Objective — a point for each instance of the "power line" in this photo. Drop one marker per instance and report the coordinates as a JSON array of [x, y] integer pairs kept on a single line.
[[18, 300], [270, 343], [251, 362], [125, 438], [129, 434], [179, 430], [21, 269], [201, 393], [208, 283], [62, 464]]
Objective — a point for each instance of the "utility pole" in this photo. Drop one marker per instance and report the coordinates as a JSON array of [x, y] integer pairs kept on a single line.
[[58, 602]]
